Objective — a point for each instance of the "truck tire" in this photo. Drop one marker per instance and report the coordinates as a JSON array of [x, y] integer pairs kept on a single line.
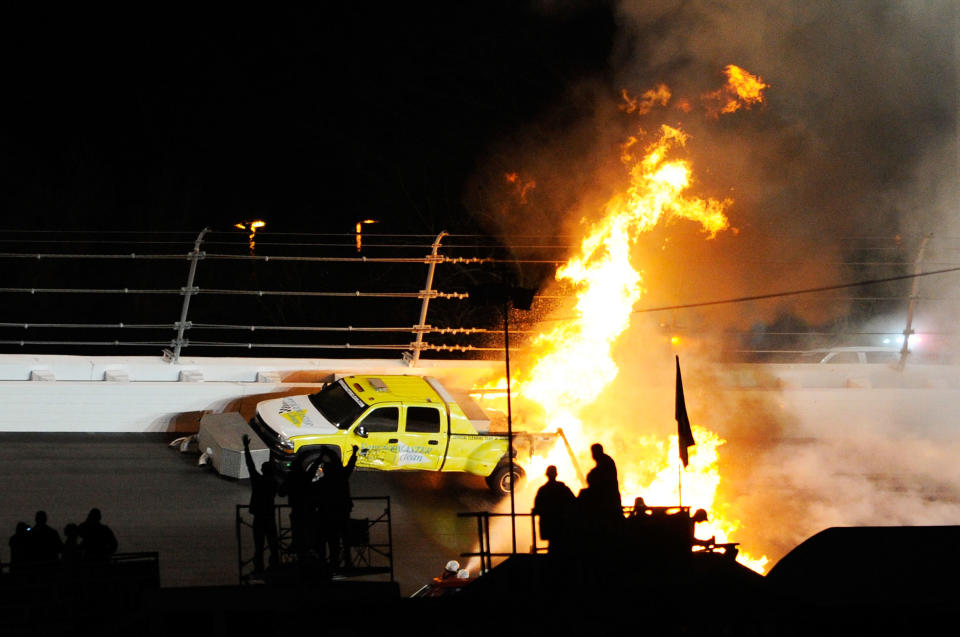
[[309, 454], [500, 481]]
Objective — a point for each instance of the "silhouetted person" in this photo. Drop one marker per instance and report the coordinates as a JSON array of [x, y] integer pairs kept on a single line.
[[45, 543], [604, 485], [20, 547], [640, 529], [263, 492], [97, 541], [640, 508], [700, 515], [71, 544], [298, 487], [554, 504], [335, 506]]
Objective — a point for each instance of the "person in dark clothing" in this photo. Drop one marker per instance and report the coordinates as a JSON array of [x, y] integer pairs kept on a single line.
[[604, 495], [71, 544], [45, 542], [299, 489], [554, 504], [263, 492], [20, 547], [97, 541], [335, 505]]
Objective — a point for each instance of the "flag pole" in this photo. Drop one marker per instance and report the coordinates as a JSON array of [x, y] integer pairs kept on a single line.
[[684, 433], [680, 485]]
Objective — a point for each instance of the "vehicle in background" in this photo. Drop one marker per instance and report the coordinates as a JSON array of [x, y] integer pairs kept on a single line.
[[852, 356]]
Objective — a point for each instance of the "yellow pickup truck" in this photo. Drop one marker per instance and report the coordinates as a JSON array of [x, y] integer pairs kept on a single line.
[[398, 422]]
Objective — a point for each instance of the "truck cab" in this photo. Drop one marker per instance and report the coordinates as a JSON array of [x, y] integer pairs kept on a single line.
[[397, 422]]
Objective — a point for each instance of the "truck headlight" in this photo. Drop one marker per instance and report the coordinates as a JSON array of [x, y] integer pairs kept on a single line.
[[286, 445]]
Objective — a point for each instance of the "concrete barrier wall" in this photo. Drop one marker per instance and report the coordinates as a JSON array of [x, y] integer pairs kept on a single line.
[[147, 394]]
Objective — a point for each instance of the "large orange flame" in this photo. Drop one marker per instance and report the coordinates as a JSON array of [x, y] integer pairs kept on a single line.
[[573, 361]]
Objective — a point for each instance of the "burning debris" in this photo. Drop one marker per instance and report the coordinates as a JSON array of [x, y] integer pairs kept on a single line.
[[252, 226], [742, 90], [359, 231]]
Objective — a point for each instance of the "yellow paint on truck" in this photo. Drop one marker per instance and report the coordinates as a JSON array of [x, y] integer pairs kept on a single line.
[[397, 422]]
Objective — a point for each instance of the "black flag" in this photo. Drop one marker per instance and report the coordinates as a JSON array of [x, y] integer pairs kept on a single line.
[[684, 435]]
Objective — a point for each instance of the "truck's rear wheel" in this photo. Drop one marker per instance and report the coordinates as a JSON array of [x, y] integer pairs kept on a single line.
[[502, 481]]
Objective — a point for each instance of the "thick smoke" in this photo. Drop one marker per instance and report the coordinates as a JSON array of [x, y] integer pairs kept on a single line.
[[853, 158], [850, 163]]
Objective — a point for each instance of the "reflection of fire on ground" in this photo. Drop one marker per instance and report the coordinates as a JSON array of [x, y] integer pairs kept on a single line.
[[571, 363]]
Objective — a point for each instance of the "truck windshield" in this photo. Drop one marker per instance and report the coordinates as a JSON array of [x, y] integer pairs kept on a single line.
[[337, 405]]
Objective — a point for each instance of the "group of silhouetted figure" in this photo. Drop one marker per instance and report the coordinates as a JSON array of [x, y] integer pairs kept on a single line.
[[318, 491], [566, 518], [40, 545], [594, 520]]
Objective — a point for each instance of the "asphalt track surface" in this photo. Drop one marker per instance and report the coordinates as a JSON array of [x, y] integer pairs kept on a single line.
[[156, 498]]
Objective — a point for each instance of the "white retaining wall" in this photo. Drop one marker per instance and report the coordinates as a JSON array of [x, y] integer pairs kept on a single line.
[[143, 394], [148, 394]]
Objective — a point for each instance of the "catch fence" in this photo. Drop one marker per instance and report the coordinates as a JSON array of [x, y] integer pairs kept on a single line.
[[356, 294]]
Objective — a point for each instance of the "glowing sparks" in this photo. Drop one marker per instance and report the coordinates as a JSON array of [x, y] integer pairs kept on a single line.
[[360, 225], [252, 226]]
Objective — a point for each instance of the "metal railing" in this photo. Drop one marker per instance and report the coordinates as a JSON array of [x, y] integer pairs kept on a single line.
[[173, 348], [485, 550], [367, 542], [490, 557]]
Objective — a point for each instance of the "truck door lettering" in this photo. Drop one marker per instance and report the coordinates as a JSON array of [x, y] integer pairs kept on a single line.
[[411, 455]]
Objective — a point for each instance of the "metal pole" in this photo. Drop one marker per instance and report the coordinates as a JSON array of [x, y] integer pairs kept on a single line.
[[680, 484], [432, 260], [573, 457], [513, 484], [908, 330], [390, 536], [239, 543], [188, 291]]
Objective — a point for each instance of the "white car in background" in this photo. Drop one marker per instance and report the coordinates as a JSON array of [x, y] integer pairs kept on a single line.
[[853, 356]]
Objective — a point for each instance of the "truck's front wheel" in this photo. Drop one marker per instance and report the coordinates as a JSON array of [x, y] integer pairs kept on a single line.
[[309, 455], [502, 481]]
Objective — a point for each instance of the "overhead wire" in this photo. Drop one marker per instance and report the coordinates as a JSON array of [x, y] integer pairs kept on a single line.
[[824, 288]]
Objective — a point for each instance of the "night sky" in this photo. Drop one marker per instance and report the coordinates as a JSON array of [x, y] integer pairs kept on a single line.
[[314, 119], [309, 119]]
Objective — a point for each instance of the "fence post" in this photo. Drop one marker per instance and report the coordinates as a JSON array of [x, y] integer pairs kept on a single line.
[[188, 291], [908, 330], [427, 292]]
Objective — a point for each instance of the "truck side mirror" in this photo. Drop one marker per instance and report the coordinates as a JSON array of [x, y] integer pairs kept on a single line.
[[361, 431]]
